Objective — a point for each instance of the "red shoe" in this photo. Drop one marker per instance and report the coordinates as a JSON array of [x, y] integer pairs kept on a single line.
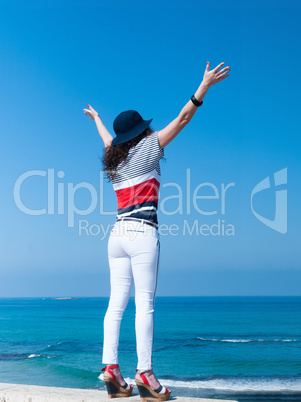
[[147, 393], [115, 390]]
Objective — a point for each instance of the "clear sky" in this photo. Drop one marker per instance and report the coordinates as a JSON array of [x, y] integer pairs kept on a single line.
[[151, 57]]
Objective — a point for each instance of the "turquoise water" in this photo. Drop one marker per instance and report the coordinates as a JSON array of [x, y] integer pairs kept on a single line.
[[245, 348]]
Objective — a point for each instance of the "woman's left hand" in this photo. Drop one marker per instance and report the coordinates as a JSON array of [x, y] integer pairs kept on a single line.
[[212, 77], [91, 112]]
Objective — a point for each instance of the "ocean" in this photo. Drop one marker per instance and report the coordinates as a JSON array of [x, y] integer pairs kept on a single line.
[[243, 348]]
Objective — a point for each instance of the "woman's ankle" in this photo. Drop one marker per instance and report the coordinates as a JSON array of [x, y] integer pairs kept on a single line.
[[150, 376], [115, 371], [148, 371]]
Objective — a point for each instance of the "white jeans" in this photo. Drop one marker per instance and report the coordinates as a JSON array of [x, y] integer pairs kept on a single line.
[[134, 253]]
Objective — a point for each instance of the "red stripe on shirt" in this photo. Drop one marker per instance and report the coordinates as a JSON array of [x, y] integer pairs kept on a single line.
[[142, 192]]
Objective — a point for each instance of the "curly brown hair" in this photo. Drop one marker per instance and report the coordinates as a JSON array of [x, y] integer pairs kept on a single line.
[[115, 154]]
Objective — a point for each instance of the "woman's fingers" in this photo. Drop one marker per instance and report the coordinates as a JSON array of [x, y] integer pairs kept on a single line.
[[223, 73], [224, 69], [91, 108], [91, 112], [217, 67], [222, 78], [88, 113]]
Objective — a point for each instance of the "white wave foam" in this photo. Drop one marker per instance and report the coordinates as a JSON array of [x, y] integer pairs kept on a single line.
[[33, 355], [247, 340], [242, 385]]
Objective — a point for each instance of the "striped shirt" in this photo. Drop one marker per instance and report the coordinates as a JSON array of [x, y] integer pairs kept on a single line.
[[138, 180]]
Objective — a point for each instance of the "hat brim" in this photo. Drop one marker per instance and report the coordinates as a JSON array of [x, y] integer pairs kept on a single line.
[[121, 138]]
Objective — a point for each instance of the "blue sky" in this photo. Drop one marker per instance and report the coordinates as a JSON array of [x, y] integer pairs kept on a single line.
[[151, 57]]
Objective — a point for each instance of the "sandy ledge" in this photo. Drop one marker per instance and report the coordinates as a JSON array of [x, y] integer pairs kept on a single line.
[[34, 393]]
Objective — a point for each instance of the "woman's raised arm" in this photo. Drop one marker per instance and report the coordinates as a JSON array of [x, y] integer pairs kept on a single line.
[[103, 132], [210, 78]]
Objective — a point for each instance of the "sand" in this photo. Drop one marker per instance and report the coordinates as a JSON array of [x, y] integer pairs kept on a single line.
[[34, 393]]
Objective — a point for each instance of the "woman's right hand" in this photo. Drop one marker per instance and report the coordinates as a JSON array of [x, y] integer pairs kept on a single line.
[[214, 76], [91, 112]]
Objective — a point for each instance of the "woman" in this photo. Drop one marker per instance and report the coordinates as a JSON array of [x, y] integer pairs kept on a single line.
[[131, 162]]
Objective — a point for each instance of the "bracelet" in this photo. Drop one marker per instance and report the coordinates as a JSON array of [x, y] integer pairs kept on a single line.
[[195, 101]]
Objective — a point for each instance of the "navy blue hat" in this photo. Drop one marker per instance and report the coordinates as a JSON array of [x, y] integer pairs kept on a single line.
[[128, 125]]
